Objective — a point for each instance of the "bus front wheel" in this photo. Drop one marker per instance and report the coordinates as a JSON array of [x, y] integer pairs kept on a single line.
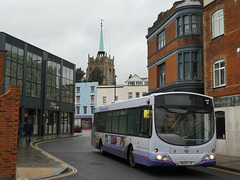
[[131, 157]]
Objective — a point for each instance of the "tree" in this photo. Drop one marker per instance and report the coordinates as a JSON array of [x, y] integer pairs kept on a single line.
[[79, 75], [96, 75]]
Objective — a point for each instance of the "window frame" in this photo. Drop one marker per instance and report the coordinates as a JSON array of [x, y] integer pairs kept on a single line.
[[162, 75], [220, 77], [161, 40], [183, 62], [217, 27], [181, 25]]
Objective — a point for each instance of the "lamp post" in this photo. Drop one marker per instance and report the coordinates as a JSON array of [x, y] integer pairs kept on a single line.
[[115, 84]]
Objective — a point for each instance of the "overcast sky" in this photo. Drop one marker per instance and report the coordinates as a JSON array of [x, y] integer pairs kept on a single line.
[[70, 29]]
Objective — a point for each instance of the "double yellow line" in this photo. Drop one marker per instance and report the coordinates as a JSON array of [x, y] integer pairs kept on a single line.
[[74, 170], [227, 171]]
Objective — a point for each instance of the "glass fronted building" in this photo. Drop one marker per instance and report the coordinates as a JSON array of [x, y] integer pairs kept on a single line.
[[47, 86]]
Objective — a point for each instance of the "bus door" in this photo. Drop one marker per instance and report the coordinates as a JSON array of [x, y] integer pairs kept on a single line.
[[145, 131]]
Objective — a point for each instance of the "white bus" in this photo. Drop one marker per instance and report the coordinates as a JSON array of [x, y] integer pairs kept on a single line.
[[163, 129]]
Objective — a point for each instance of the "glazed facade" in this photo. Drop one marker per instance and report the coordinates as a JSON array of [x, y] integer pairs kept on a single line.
[[46, 82]]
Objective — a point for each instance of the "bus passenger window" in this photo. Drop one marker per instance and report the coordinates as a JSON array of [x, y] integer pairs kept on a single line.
[[133, 121], [109, 122]]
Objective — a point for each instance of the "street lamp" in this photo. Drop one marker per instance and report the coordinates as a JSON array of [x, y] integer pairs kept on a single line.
[[115, 84]]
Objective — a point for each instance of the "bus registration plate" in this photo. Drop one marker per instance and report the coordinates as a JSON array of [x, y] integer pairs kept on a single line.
[[186, 163]]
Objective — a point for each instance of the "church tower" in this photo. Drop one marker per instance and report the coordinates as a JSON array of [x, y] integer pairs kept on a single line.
[[104, 62]]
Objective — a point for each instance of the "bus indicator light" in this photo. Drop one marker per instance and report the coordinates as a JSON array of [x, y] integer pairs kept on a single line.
[[156, 150], [213, 151], [164, 157]]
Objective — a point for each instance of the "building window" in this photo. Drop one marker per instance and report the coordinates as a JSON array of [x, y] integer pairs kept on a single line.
[[187, 25], [132, 83], [104, 99], [220, 124], [14, 67], [78, 99], [84, 109], [194, 24], [92, 89], [217, 24], [188, 66], [180, 24], [162, 78], [53, 79], [129, 95], [92, 109], [78, 110], [137, 94], [92, 99], [139, 83], [161, 40], [67, 85], [78, 89], [66, 122], [219, 73]]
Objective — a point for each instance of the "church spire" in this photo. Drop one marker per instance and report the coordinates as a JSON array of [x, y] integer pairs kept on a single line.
[[101, 47]]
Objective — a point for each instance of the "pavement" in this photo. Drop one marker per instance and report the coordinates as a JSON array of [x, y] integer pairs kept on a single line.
[[33, 163]]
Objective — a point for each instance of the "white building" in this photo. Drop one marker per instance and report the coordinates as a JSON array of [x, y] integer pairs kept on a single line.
[[134, 87]]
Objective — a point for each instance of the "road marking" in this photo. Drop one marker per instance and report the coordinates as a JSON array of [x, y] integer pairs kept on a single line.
[[74, 170], [231, 172]]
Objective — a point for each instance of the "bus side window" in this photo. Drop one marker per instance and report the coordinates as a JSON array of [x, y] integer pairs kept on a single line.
[[101, 122], [109, 122], [133, 121], [95, 123], [145, 124]]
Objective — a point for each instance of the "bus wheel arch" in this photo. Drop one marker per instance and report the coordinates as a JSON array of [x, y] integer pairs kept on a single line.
[[130, 156]]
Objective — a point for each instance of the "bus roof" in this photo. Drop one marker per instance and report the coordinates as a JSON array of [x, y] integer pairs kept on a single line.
[[136, 102]]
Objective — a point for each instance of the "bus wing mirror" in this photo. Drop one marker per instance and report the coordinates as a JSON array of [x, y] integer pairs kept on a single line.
[[147, 114]]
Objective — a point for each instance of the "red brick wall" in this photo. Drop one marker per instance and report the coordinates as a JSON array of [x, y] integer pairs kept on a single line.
[[171, 69], [222, 47], [153, 79], [1, 69], [9, 114]]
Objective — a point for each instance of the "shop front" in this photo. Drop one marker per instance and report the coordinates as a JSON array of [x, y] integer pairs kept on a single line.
[[84, 121]]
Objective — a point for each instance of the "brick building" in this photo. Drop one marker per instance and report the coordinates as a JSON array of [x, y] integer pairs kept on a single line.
[[222, 69], [175, 49]]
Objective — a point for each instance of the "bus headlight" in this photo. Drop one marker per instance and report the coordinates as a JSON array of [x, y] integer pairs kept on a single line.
[[211, 157], [207, 157], [159, 157]]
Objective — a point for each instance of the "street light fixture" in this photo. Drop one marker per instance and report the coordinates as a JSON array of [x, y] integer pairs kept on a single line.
[[115, 84]]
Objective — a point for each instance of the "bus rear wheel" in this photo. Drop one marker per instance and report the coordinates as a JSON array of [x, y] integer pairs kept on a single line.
[[101, 148], [131, 157]]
